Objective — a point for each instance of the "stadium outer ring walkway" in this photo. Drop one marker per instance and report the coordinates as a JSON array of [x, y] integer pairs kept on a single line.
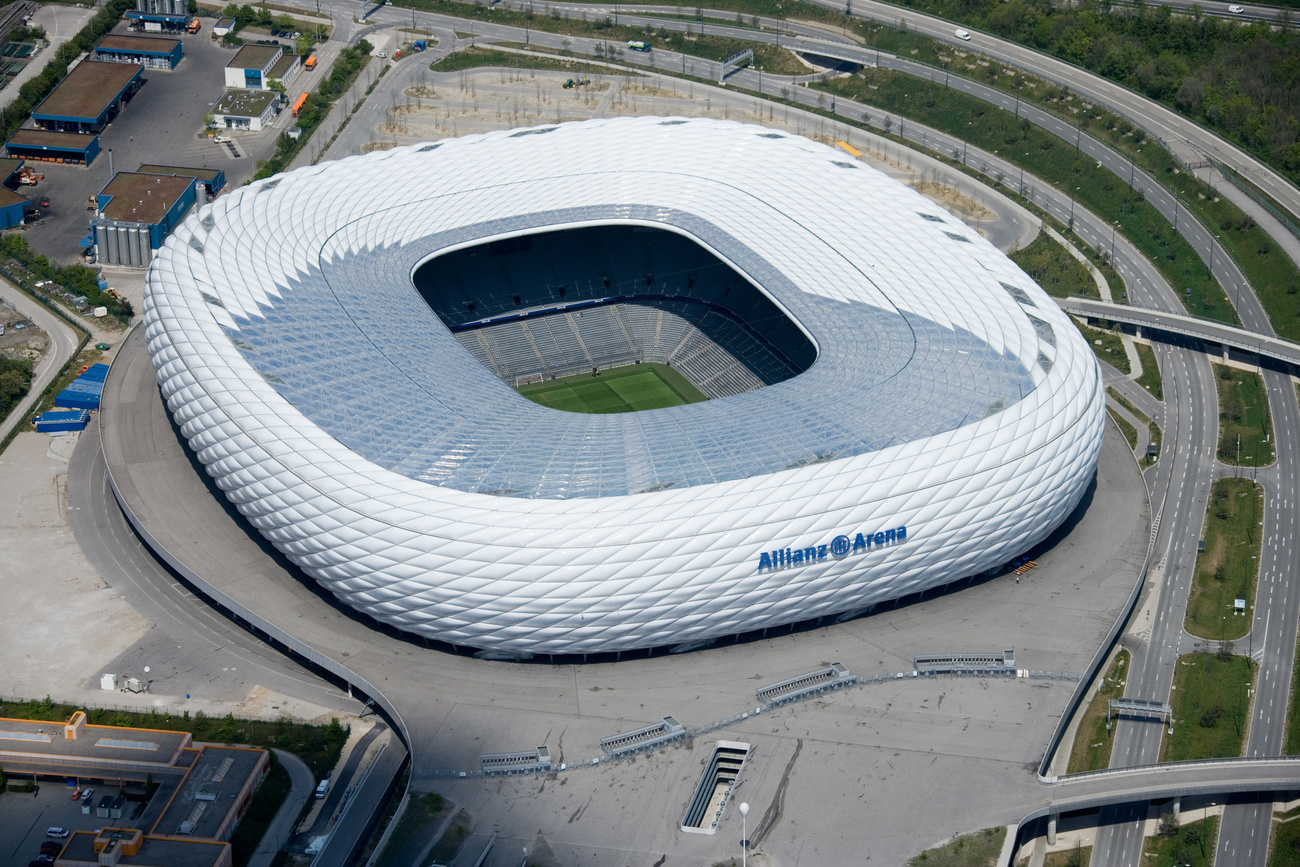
[[159, 487], [128, 424]]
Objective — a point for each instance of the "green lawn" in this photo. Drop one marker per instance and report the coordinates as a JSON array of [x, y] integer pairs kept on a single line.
[[969, 850], [633, 388], [1193, 845], [1092, 743], [1150, 378], [1053, 268], [1285, 851], [1245, 427], [1210, 707], [1227, 568], [1106, 344]]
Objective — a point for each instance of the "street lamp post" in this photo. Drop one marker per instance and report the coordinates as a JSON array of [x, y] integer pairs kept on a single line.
[[744, 834]]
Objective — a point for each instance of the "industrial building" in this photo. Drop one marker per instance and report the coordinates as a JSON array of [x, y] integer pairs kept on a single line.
[[254, 67], [135, 214], [893, 405], [213, 181], [201, 791], [12, 207], [246, 110], [151, 52], [160, 16], [88, 98], [53, 147]]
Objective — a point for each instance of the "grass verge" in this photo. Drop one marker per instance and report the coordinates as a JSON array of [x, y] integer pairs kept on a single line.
[[1150, 378], [1245, 428], [1191, 845], [1047, 156], [1092, 743], [969, 850], [1153, 429], [633, 388], [1079, 856], [1285, 850], [1228, 567], [318, 746], [1130, 432], [1054, 269], [1106, 343], [266, 803], [1210, 707], [472, 58]]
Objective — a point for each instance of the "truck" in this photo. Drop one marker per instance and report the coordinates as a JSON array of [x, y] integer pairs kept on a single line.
[[638, 46], [310, 63], [194, 25], [420, 45]]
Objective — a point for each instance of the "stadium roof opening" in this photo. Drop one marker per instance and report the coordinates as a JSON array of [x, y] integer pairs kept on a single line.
[[546, 306]]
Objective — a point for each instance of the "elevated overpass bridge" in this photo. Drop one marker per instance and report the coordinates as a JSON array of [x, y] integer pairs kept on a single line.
[[1093, 790], [1263, 345]]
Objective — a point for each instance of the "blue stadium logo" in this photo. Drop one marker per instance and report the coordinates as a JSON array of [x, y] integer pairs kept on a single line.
[[839, 547]]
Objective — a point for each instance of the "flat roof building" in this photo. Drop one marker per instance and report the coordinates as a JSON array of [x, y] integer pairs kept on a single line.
[[132, 848], [136, 213], [88, 98], [12, 207], [214, 794], [151, 52], [248, 110], [213, 180], [251, 66], [53, 147]]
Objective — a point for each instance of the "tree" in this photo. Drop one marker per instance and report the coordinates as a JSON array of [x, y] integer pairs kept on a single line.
[[1169, 826], [302, 45], [209, 121]]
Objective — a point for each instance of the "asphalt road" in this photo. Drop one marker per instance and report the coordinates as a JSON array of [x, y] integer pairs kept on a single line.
[[63, 344], [281, 828]]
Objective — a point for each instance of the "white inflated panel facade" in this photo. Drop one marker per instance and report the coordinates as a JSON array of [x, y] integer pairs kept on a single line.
[[343, 420]]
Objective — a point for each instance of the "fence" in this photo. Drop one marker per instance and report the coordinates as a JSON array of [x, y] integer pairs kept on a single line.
[[690, 733]]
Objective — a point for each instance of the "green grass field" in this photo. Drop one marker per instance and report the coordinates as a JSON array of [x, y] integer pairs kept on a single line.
[[623, 389]]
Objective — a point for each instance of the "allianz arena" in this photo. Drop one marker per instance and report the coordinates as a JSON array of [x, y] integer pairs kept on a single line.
[[892, 404]]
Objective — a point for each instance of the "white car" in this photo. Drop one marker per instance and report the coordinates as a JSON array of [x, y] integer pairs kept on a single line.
[[56, 831], [1236, 10], [962, 34], [381, 55], [220, 139]]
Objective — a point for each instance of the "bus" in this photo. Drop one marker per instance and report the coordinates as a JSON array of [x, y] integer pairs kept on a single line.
[[298, 103]]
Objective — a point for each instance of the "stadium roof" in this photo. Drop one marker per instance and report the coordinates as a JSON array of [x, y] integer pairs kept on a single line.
[[951, 420], [921, 326]]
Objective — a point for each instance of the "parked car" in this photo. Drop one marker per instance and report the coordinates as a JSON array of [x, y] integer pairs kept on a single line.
[[87, 794], [56, 831], [49, 847], [75, 796]]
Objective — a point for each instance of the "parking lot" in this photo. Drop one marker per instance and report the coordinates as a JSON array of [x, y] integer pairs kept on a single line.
[[24, 819], [162, 124]]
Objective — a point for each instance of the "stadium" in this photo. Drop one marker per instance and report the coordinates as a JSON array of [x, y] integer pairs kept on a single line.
[[619, 384]]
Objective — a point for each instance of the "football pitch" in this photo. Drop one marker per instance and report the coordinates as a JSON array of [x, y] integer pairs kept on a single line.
[[622, 389]]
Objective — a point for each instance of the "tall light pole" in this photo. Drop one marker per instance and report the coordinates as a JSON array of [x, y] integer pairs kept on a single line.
[[744, 834]]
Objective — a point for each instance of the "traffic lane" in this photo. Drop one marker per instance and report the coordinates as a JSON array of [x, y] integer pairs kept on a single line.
[[302, 785]]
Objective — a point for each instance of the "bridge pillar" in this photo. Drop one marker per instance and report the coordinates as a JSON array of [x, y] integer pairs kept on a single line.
[[1051, 830], [1225, 351], [1178, 804], [1137, 331]]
